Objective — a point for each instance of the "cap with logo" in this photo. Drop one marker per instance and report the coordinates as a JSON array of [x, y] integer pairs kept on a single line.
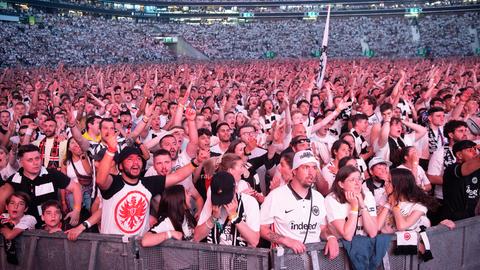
[[303, 157], [222, 188]]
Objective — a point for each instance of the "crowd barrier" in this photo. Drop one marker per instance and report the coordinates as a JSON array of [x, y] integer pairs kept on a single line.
[[38, 250]]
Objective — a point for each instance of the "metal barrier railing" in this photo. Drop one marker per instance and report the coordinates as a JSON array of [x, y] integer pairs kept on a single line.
[[176, 255], [41, 250], [452, 249]]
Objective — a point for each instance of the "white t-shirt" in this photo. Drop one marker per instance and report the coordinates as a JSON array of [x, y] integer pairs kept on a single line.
[[436, 167], [166, 225], [384, 152], [289, 214], [406, 209], [337, 210], [328, 175], [8, 171], [27, 222], [421, 178]]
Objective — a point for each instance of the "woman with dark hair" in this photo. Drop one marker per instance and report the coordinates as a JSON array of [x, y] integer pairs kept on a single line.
[[350, 209], [407, 204], [78, 168], [361, 164], [340, 149], [410, 161], [174, 218]]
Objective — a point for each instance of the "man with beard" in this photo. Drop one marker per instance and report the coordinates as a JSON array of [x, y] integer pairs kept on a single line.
[[126, 197], [52, 147], [162, 165], [294, 215], [224, 132]]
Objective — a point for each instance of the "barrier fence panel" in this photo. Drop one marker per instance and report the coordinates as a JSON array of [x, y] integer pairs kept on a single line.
[[455, 249], [38, 250], [177, 255], [452, 249]]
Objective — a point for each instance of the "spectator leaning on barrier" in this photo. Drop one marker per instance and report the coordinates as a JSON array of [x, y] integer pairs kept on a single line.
[[294, 214], [461, 182], [40, 184], [229, 217]]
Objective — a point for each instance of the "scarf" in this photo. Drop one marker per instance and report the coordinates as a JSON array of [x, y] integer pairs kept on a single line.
[[54, 161], [363, 142], [433, 140], [448, 158], [395, 148]]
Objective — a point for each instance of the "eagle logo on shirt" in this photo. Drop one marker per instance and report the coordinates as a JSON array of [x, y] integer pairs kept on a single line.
[[130, 212]]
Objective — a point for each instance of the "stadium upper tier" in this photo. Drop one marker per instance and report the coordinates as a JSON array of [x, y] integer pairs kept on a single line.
[[91, 40]]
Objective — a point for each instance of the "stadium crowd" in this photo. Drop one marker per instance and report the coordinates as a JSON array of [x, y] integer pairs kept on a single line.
[[79, 41], [240, 153], [68, 39]]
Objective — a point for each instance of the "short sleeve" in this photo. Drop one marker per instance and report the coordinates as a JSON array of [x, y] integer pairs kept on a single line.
[[253, 212], [435, 165], [155, 184], [419, 207], [267, 211], [27, 222], [335, 210], [165, 225]]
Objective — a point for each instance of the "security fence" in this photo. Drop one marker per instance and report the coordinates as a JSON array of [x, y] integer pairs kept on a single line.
[[38, 250]]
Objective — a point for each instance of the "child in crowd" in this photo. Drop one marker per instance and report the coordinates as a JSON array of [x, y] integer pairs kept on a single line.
[[52, 216], [14, 222]]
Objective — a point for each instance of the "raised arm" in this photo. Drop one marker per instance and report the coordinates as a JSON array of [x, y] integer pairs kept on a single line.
[[420, 131], [103, 178], [192, 145]]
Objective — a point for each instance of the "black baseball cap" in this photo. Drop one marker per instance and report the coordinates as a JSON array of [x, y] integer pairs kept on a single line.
[[126, 152], [222, 188], [462, 145]]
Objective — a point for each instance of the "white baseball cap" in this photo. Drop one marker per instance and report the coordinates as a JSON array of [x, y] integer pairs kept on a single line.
[[303, 157], [378, 160]]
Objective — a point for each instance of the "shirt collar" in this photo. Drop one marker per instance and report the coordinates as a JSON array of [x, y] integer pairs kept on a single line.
[[298, 197]]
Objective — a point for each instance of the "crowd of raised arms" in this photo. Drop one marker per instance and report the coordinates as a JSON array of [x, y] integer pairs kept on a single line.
[[240, 153]]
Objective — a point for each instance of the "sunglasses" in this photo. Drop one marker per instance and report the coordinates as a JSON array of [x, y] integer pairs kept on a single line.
[[302, 141]]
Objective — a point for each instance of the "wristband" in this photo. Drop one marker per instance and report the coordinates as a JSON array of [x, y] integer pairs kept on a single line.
[[193, 164], [169, 235], [145, 119], [233, 216], [331, 236], [354, 212], [354, 209], [77, 208], [88, 224], [388, 206], [112, 150], [112, 154]]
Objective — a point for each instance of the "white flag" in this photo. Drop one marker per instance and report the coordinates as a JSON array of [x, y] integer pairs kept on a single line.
[[323, 57]]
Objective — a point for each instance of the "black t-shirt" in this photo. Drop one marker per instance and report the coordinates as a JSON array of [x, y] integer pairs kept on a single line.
[[460, 193], [155, 184], [41, 189]]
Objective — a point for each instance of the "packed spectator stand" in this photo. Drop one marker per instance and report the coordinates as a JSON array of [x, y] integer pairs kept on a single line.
[[101, 132]]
